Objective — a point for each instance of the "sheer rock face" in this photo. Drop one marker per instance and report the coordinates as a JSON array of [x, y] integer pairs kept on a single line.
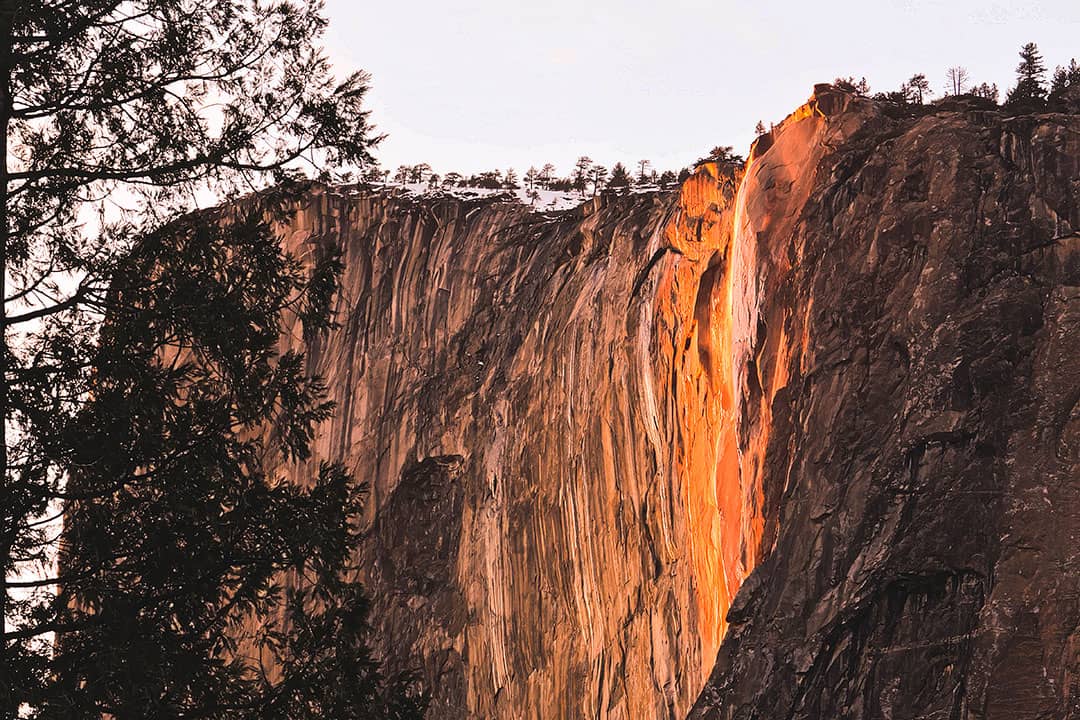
[[921, 471], [846, 379], [538, 420]]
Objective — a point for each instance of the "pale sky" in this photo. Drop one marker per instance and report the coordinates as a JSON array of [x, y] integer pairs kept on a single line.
[[471, 85]]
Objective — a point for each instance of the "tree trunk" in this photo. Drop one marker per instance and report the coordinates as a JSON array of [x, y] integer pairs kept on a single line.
[[7, 13]]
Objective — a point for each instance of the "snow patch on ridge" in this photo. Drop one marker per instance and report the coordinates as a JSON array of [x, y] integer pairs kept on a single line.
[[546, 200]]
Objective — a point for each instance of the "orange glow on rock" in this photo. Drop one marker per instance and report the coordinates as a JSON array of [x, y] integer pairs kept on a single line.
[[733, 231], [701, 232]]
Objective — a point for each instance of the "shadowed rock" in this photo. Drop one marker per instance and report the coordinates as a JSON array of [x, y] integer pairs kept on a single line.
[[922, 484]]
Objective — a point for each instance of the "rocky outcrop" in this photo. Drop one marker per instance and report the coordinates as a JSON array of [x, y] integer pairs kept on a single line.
[[920, 471], [843, 379]]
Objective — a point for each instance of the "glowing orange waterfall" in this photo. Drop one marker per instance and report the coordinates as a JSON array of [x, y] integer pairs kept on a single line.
[[737, 353], [705, 390]]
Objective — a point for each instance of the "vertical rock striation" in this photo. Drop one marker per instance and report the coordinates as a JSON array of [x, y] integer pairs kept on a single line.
[[536, 402], [844, 379]]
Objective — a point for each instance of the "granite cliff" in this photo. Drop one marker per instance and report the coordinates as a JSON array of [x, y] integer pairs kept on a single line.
[[921, 473], [535, 406], [799, 440]]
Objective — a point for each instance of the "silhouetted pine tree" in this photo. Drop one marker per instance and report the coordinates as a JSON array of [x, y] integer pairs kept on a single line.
[[643, 167], [620, 178], [1065, 83], [138, 365], [597, 175], [1029, 92], [916, 89], [546, 176], [532, 175], [582, 173]]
